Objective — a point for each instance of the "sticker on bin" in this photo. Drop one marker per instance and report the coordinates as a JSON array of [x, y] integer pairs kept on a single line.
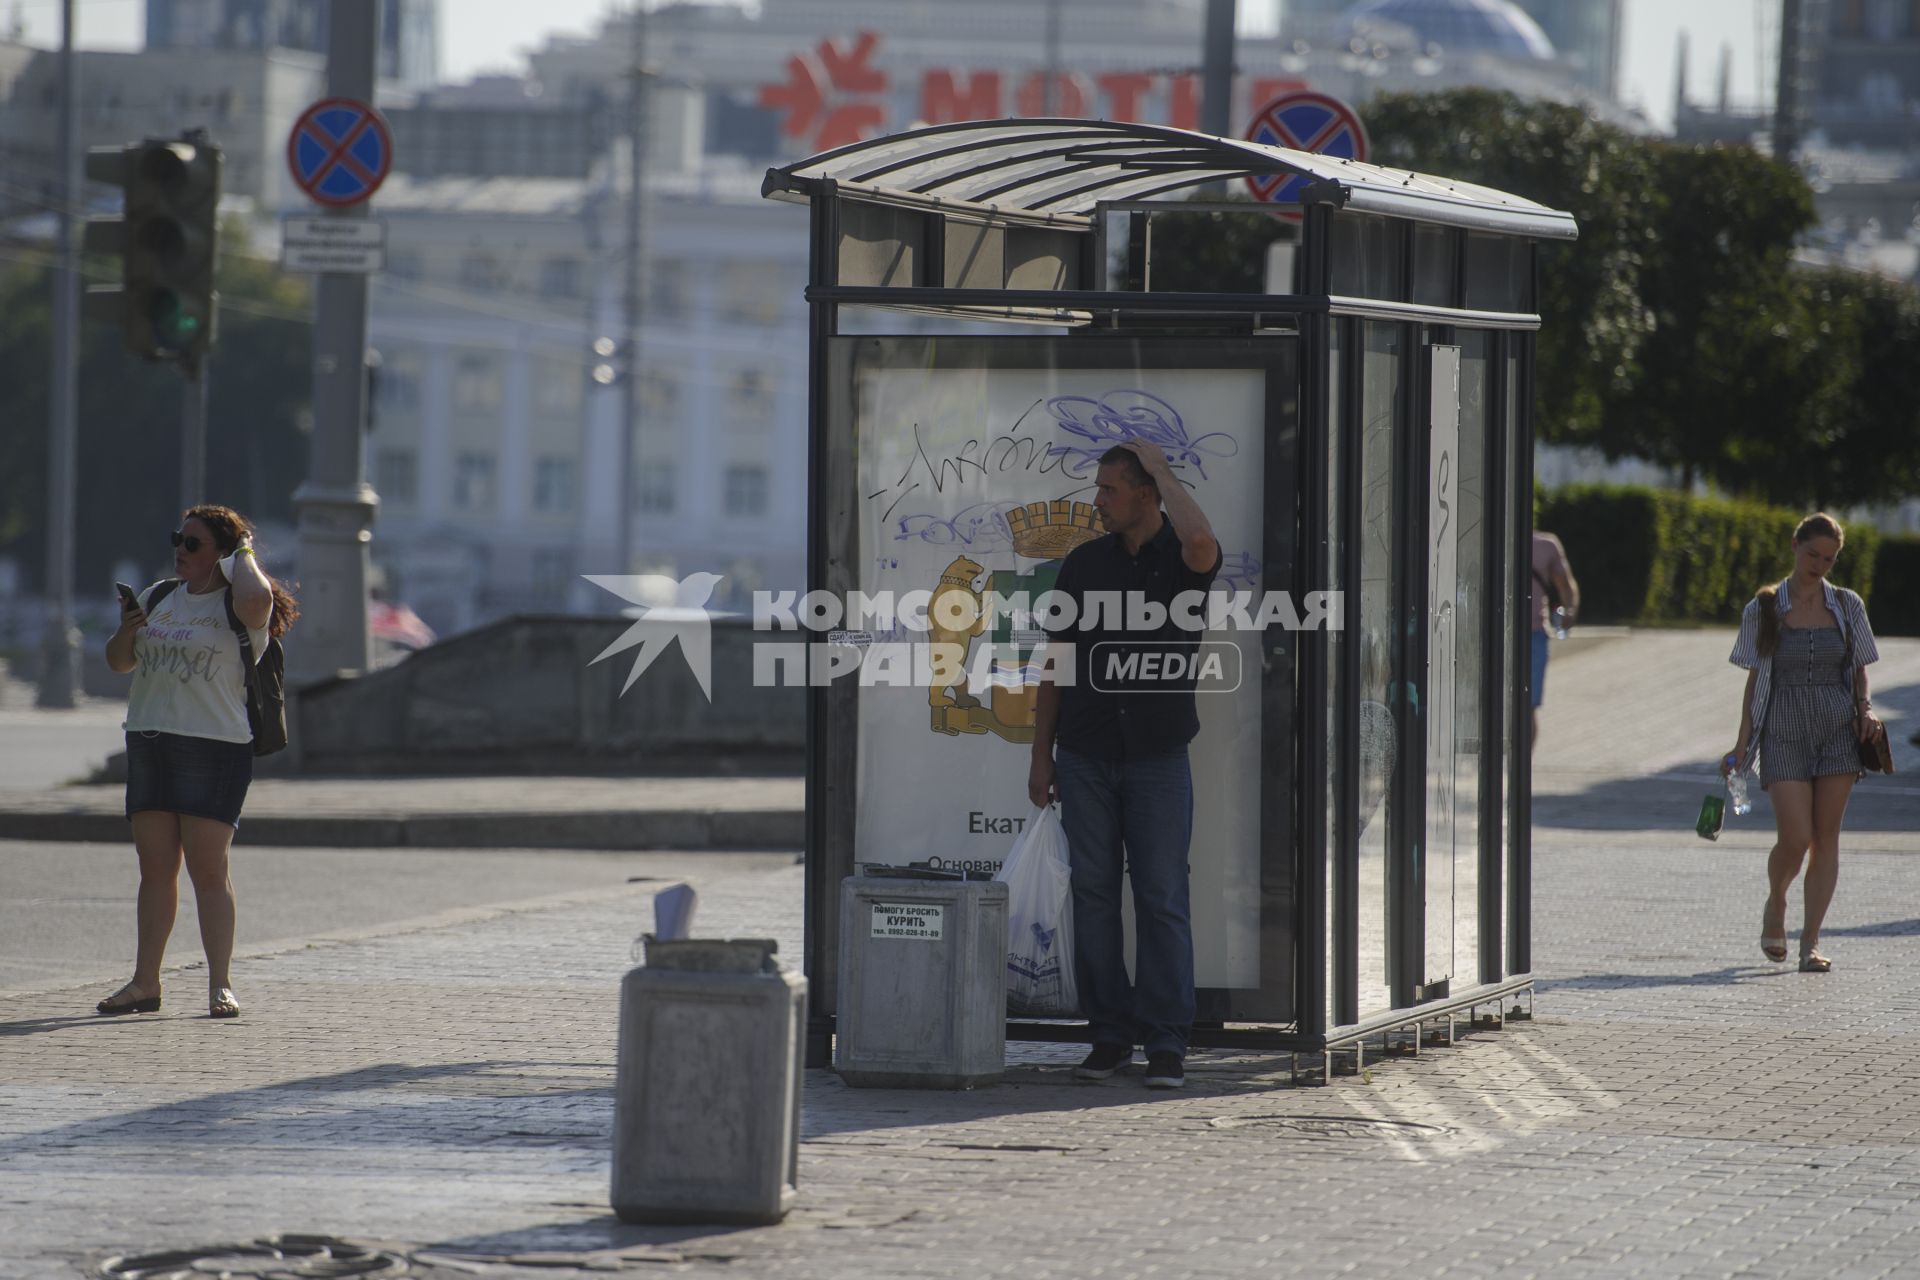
[[909, 920]]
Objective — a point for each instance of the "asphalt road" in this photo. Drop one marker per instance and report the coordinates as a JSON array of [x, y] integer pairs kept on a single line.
[[66, 910]]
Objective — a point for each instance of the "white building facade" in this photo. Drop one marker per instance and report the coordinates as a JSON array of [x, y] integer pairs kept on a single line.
[[495, 449]]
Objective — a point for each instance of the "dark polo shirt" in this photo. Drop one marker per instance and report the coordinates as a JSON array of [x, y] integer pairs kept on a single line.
[[1117, 718]]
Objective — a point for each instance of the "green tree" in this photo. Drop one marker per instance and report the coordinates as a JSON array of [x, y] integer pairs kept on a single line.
[[1595, 322], [1845, 371], [129, 416], [1213, 252], [1737, 360], [1678, 327]]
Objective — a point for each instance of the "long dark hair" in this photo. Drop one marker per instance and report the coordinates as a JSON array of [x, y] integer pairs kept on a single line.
[[1817, 525], [228, 527]]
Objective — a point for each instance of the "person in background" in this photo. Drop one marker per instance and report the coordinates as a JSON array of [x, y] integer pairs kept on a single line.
[[1554, 587], [189, 743], [1806, 645]]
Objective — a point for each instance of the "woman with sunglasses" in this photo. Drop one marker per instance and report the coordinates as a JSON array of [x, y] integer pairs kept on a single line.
[[189, 746]]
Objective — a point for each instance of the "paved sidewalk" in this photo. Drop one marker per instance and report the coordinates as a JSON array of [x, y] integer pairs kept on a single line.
[[1679, 1108], [39, 750], [459, 813]]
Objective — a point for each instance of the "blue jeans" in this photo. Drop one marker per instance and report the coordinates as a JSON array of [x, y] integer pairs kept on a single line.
[[1539, 667], [1144, 807]]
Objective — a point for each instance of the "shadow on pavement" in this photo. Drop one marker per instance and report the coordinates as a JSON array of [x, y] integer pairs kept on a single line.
[[1884, 929], [1733, 975], [505, 1104], [601, 1242], [1671, 803], [567, 1108], [33, 1026]]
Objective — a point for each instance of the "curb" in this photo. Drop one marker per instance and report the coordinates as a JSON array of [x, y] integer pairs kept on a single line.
[[672, 829]]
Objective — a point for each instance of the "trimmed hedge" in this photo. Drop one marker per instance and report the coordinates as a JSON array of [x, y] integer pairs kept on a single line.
[[1896, 587], [1653, 556]]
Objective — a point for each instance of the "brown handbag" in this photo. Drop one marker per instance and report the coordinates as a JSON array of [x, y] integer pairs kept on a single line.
[[1876, 753]]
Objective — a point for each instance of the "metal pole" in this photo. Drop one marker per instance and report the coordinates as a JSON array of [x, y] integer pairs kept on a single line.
[[1786, 98], [1049, 98], [1216, 99], [636, 264], [60, 654], [335, 505], [193, 435]]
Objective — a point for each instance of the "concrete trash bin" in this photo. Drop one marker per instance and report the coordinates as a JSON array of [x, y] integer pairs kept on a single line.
[[706, 1116], [923, 983]]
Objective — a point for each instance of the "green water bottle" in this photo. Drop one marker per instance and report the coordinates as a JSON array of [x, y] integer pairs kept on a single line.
[[1713, 812]]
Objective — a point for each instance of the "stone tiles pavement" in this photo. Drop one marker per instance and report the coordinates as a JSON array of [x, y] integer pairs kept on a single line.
[[1679, 1107]]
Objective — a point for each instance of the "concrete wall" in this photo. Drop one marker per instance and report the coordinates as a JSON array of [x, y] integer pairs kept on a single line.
[[524, 696]]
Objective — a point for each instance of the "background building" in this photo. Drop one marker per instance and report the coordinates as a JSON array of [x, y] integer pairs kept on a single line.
[[494, 448], [1860, 131], [409, 53], [246, 99]]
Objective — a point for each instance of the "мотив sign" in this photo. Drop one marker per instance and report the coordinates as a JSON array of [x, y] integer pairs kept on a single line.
[[836, 94]]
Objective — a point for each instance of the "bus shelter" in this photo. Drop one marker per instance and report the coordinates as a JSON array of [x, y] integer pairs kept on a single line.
[[1361, 439]]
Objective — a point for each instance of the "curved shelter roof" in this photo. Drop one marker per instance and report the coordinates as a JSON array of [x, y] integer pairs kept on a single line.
[[1065, 169]]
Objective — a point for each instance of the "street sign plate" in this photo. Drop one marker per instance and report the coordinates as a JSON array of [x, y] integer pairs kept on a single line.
[[349, 258], [333, 231], [1303, 121], [339, 151]]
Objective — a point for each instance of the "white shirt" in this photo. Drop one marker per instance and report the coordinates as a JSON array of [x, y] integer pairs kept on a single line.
[[187, 677]]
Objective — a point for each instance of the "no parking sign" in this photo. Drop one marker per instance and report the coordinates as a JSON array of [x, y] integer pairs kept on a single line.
[[1303, 121], [339, 151]]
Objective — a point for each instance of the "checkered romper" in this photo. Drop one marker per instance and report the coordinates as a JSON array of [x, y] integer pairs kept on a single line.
[[1809, 730]]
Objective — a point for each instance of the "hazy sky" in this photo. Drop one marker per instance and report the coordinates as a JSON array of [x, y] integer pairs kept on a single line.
[[478, 35]]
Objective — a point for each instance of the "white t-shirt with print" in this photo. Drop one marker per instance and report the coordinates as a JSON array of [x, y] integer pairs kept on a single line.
[[186, 676]]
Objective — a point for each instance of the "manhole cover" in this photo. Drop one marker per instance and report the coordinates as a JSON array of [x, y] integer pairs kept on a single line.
[[274, 1258], [1335, 1126]]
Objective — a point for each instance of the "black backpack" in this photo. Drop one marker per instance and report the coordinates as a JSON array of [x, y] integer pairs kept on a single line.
[[266, 679]]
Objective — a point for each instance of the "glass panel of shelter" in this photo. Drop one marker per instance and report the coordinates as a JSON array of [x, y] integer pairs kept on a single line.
[[1475, 631], [1334, 570], [1380, 638], [950, 441], [1370, 372]]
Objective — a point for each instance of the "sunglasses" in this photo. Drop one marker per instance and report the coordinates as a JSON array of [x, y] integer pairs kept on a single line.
[[192, 542]]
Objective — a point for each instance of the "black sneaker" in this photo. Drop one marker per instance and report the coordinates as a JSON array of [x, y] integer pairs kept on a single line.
[[1165, 1070], [1103, 1061]]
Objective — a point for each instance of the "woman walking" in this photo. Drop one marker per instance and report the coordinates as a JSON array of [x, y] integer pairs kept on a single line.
[[189, 744], [1806, 645]]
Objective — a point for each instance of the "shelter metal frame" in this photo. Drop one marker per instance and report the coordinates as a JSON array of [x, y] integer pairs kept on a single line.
[[905, 223]]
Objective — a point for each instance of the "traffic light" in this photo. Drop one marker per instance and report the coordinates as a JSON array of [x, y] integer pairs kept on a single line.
[[167, 240]]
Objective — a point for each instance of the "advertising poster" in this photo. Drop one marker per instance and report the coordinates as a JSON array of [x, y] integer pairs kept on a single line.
[[978, 480]]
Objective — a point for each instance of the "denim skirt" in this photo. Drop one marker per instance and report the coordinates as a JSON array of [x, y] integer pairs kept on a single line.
[[198, 777]]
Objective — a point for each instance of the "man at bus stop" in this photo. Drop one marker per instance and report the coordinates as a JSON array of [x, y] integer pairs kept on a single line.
[[1120, 773]]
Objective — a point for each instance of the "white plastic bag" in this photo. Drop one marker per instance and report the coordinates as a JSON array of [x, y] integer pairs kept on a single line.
[[1039, 880]]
